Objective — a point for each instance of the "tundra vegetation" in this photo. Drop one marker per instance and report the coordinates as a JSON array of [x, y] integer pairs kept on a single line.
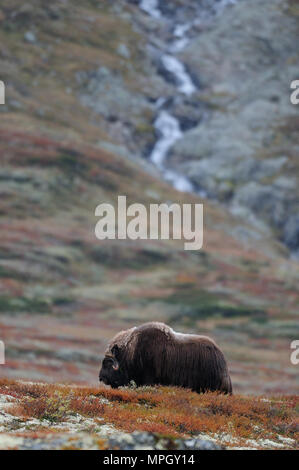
[[45, 411]]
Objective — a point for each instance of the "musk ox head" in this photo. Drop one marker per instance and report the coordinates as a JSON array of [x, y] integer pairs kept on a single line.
[[112, 372]]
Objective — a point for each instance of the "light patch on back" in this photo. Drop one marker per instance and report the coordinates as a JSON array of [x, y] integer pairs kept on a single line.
[[186, 337]]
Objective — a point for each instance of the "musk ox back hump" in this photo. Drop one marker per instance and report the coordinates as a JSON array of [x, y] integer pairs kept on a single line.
[[155, 354]]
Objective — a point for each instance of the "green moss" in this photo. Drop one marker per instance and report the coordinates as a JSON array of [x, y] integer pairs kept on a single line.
[[72, 161], [62, 301], [144, 128], [253, 266], [8, 273], [23, 304], [118, 257], [200, 304]]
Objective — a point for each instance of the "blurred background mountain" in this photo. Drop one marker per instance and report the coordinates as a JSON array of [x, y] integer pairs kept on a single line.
[[86, 83]]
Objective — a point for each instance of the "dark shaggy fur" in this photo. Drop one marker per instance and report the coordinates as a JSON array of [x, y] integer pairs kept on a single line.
[[155, 354]]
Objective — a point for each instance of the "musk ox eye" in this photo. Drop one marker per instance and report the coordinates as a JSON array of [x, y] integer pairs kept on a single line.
[[115, 351]]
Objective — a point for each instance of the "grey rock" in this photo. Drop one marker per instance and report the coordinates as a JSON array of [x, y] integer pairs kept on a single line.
[[263, 201], [123, 51], [197, 444], [135, 441], [143, 438], [15, 104], [118, 440], [30, 37], [123, 441], [285, 183], [291, 232], [115, 149], [106, 93], [206, 445]]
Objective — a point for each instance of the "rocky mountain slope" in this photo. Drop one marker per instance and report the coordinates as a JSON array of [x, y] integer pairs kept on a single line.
[[244, 151], [238, 145], [82, 84]]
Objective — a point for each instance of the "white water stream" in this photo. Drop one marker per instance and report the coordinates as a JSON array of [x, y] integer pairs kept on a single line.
[[176, 68], [150, 7], [169, 130], [167, 126]]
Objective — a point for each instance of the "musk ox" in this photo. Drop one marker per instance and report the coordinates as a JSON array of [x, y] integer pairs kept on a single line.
[[155, 354]]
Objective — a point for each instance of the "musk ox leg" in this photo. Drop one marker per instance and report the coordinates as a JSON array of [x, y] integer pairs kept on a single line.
[[227, 385], [148, 379]]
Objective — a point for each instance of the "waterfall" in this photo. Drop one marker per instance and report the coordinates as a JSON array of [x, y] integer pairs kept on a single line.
[[167, 126]]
